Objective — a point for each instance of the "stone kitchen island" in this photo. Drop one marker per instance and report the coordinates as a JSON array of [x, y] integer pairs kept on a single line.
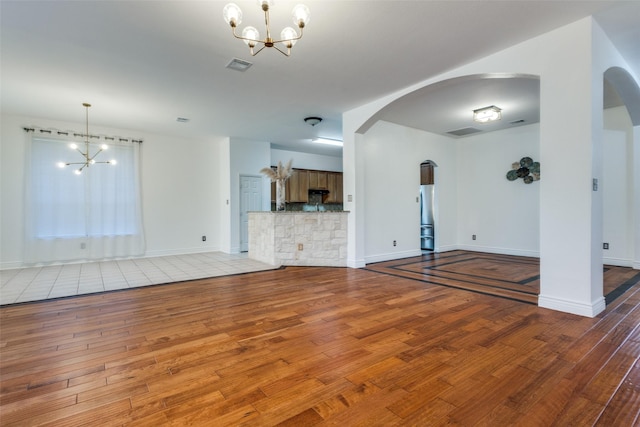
[[299, 238]]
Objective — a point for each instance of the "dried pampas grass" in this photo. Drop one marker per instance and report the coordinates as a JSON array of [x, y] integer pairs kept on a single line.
[[280, 173]]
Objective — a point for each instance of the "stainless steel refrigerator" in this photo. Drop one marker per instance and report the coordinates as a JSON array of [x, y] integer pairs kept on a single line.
[[426, 217]]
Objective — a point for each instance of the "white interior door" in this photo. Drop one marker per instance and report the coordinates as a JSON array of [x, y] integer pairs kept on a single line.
[[250, 201]]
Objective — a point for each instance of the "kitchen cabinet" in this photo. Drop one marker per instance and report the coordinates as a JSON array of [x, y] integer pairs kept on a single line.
[[426, 174], [334, 185], [313, 179], [297, 186], [318, 180], [302, 180], [322, 179]]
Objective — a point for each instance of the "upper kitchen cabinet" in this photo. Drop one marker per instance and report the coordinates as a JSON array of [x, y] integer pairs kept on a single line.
[[318, 180], [322, 179], [426, 173], [301, 181], [297, 186], [273, 191], [334, 185]]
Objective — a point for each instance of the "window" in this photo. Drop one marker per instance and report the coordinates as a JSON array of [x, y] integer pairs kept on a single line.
[[94, 215]]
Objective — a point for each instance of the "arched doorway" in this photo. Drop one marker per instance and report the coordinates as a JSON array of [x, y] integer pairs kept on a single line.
[[620, 173]]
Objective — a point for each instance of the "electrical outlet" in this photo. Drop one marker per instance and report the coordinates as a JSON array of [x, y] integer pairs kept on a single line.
[[204, 238], [83, 245], [300, 246], [473, 237], [394, 243], [605, 246]]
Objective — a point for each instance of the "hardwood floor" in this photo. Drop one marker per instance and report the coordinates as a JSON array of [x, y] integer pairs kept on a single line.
[[505, 276], [311, 346]]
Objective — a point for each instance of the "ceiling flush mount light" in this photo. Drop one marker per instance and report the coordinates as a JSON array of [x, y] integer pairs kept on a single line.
[[88, 158], [327, 141], [232, 15], [312, 120], [487, 114]]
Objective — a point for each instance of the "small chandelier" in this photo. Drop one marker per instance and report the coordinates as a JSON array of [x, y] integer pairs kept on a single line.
[[88, 159], [288, 37], [487, 114]]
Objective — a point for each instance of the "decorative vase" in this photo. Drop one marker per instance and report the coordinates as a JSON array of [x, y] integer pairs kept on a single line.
[[280, 194], [279, 175]]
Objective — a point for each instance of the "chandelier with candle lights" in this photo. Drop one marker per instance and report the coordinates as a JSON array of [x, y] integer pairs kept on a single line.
[[232, 15], [88, 159]]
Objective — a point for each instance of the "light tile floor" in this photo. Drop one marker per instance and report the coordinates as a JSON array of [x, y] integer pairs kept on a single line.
[[40, 283]]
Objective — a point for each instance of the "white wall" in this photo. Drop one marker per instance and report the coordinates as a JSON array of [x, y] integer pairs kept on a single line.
[[224, 185], [180, 189], [306, 160], [180, 195], [392, 160], [570, 62], [472, 192], [504, 215], [246, 158], [12, 161], [617, 187]]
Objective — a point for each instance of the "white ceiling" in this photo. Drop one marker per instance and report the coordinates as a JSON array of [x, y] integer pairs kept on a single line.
[[142, 64]]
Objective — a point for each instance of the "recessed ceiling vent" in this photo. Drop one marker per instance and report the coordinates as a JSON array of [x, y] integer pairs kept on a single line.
[[463, 131], [516, 122], [239, 64]]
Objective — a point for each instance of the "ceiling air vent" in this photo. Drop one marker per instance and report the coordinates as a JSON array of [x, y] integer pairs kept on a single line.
[[516, 122], [239, 64], [463, 131]]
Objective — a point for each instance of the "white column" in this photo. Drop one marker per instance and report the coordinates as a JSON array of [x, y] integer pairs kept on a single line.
[[570, 207], [636, 197], [224, 219], [354, 183]]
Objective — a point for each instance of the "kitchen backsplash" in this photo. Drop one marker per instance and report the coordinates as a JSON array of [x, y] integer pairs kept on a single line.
[[309, 207]]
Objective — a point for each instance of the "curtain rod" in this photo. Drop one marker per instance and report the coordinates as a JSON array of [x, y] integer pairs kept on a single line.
[[80, 135]]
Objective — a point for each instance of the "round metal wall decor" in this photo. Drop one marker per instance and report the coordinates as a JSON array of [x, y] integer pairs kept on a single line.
[[526, 169]]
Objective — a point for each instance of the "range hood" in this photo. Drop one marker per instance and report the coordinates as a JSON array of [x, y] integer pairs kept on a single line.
[[318, 191]]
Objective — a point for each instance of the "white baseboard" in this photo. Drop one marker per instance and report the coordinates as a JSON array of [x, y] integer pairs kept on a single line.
[[500, 251], [356, 263], [573, 307], [181, 251], [10, 265], [392, 255], [619, 262], [446, 248], [147, 254]]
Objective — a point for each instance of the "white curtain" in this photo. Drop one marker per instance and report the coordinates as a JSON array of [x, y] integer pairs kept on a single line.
[[92, 216]]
